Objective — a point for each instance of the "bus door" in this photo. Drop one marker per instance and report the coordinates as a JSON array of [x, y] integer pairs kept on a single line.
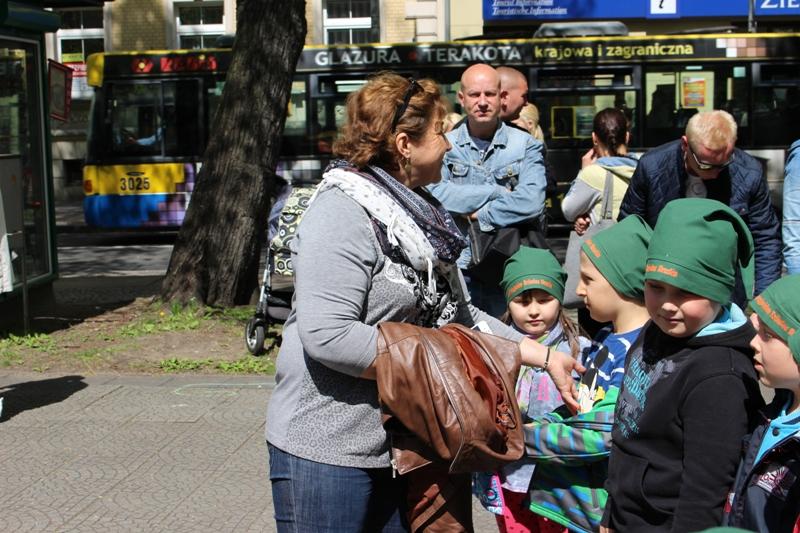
[[568, 100]]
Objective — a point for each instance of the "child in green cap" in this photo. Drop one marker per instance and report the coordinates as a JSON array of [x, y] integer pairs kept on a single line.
[[533, 285], [766, 494], [690, 394], [571, 451]]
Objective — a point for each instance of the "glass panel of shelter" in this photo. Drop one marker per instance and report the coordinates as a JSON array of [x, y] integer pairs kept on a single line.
[[22, 175]]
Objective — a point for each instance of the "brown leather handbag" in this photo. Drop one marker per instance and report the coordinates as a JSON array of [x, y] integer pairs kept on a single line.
[[449, 408], [448, 395]]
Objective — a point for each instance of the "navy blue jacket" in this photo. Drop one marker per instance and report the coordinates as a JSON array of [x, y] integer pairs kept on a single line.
[[766, 495], [661, 177]]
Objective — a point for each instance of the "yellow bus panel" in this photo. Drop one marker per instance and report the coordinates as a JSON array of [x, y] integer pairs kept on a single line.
[[156, 178]]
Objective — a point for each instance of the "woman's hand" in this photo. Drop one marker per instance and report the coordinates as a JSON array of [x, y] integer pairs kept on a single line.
[[604, 529], [559, 366], [588, 158], [582, 223]]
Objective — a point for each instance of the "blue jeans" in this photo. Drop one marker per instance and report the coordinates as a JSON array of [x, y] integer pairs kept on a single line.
[[310, 497]]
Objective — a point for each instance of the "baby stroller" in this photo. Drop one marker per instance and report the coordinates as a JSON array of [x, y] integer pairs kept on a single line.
[[272, 308], [277, 284]]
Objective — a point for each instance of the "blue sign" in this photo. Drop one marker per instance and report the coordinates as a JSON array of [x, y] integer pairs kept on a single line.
[[496, 10]]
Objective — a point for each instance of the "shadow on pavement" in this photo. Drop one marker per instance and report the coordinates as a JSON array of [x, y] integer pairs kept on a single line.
[[74, 300], [29, 395]]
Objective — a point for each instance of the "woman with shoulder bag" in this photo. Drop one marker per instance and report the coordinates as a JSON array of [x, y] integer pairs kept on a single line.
[[597, 192], [373, 246]]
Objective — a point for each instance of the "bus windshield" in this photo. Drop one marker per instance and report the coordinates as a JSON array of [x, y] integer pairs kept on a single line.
[[151, 119]]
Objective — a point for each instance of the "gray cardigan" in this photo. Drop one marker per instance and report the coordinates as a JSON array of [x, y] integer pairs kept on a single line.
[[321, 410]]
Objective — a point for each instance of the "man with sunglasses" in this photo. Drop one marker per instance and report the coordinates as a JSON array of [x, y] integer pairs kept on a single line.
[[705, 163], [493, 175]]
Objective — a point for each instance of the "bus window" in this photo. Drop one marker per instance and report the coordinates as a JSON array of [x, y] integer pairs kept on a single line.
[[672, 96], [776, 105], [295, 137], [566, 119], [610, 77], [156, 119], [136, 120], [214, 98], [328, 109], [182, 114], [568, 100]]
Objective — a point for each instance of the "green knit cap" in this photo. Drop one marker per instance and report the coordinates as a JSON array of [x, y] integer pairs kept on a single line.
[[533, 268], [696, 246], [779, 308], [619, 253]]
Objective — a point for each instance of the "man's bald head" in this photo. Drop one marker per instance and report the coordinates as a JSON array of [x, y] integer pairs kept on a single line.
[[513, 92], [480, 97]]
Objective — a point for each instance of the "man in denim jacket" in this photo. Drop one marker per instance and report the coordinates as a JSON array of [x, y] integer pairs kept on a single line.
[[791, 210], [494, 173]]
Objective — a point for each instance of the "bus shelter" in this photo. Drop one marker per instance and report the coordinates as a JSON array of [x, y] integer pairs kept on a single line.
[[28, 263]]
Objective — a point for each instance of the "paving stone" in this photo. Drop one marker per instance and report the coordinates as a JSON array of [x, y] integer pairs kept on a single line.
[[183, 453]]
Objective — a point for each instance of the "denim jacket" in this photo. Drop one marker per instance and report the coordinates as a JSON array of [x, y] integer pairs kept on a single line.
[[505, 183], [791, 210]]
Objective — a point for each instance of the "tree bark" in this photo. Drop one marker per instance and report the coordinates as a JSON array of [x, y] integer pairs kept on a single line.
[[216, 254]]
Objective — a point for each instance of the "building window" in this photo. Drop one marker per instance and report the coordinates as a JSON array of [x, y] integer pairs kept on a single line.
[[199, 24], [81, 34], [350, 21]]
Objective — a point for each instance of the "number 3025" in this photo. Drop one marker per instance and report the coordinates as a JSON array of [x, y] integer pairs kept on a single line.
[[134, 184]]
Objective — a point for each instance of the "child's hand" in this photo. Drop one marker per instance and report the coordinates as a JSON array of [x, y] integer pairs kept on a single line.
[[560, 369]]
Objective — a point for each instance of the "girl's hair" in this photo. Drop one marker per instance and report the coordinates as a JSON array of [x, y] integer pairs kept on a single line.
[[611, 127], [572, 331], [367, 137], [530, 113]]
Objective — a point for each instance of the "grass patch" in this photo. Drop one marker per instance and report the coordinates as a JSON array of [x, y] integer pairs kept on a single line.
[[175, 364], [247, 365], [37, 341], [175, 318]]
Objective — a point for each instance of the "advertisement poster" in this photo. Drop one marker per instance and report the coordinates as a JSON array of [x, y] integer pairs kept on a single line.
[[693, 92], [80, 87]]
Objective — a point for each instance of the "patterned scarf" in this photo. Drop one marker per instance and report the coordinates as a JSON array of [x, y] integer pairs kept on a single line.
[[427, 213]]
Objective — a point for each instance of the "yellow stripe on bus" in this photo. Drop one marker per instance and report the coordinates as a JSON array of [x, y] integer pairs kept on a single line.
[[132, 179]]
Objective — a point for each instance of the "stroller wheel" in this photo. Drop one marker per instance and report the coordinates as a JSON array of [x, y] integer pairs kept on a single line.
[[254, 335]]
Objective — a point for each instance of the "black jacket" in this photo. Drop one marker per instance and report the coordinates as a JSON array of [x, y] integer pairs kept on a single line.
[[684, 407], [661, 177]]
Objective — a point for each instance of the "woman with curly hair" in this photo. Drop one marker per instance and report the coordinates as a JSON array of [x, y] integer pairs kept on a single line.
[[373, 246]]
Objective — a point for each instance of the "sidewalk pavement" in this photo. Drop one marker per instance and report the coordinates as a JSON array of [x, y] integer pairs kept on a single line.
[[127, 453], [159, 453]]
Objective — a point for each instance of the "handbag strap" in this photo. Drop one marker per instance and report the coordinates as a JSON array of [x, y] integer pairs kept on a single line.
[[607, 206]]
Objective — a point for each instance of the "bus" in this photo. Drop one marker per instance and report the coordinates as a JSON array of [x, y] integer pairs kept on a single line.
[[151, 112]]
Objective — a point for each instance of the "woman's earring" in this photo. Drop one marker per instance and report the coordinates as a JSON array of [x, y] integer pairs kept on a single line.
[[407, 165]]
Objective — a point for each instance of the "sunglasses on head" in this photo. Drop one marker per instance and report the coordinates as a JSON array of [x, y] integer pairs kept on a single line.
[[413, 86], [708, 166]]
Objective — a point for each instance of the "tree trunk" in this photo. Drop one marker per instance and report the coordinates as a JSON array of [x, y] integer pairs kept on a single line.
[[216, 254]]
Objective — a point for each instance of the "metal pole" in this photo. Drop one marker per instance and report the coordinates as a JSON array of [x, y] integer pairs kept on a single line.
[[751, 16], [26, 315]]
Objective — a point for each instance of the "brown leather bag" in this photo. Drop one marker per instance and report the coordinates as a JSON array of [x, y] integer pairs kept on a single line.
[[448, 395]]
